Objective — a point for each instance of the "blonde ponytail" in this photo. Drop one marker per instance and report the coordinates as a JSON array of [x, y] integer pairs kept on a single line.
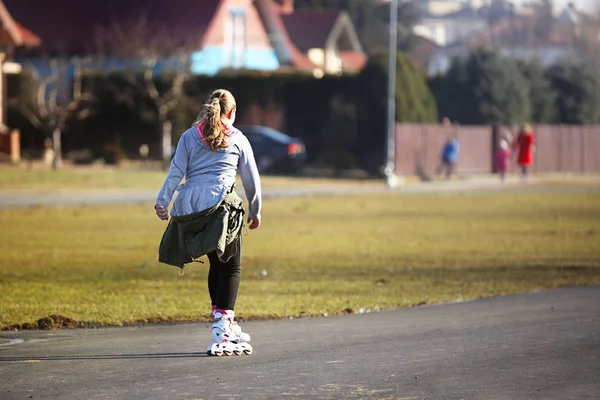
[[219, 105]]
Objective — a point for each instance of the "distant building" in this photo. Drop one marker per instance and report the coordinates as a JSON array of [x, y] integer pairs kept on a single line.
[[438, 7], [533, 31], [448, 29], [516, 37], [446, 22], [331, 43], [422, 52], [216, 35]]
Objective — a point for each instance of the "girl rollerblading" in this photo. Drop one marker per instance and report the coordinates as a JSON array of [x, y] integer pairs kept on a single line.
[[209, 155]]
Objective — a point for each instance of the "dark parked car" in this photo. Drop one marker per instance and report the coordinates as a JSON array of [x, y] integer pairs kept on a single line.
[[274, 151]]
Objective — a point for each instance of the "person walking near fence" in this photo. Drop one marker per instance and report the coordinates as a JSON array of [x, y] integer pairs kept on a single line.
[[448, 157], [207, 215], [508, 136], [502, 158], [524, 147]]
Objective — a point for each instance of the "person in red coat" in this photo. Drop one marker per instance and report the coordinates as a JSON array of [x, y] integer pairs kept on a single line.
[[524, 148]]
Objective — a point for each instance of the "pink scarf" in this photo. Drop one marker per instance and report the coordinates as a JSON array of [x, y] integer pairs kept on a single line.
[[229, 130]]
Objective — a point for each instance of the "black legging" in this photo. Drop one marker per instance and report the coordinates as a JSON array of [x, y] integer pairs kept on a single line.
[[224, 279]]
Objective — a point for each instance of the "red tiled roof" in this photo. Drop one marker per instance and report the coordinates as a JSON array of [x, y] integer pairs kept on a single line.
[[17, 34], [74, 24], [353, 60], [310, 29], [282, 9], [29, 38], [273, 21]]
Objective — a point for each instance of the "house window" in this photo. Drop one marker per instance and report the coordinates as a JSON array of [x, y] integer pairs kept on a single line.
[[235, 37]]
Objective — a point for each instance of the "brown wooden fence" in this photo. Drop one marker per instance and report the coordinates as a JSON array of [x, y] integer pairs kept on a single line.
[[10, 146], [567, 149], [559, 148]]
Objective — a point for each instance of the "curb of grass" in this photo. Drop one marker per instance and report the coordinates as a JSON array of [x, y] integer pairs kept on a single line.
[[56, 322]]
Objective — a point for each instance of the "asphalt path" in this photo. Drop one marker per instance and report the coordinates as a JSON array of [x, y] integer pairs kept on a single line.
[[543, 345]]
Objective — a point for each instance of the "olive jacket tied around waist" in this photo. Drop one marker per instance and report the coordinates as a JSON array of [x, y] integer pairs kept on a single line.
[[189, 237]]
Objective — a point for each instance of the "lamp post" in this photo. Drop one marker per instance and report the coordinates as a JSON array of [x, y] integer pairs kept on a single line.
[[392, 180], [491, 24], [512, 42]]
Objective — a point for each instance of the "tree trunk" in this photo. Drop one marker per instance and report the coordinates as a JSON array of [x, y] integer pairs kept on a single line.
[[166, 144], [117, 153], [56, 146]]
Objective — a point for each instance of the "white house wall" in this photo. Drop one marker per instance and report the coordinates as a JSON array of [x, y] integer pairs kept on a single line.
[[439, 7], [326, 60], [444, 32]]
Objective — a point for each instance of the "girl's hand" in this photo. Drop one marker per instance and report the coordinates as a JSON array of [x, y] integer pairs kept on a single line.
[[253, 223], [161, 212]]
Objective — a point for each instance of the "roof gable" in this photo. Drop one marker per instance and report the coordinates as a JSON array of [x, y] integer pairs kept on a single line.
[[310, 29], [29, 39], [326, 28], [286, 50]]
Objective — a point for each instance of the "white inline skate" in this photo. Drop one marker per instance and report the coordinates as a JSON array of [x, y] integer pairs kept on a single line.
[[227, 336]]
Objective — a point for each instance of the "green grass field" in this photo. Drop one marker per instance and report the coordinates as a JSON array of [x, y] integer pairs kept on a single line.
[[38, 179], [42, 179], [322, 255]]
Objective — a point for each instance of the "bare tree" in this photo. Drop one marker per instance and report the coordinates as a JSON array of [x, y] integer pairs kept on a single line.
[[52, 104], [165, 104], [149, 49]]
